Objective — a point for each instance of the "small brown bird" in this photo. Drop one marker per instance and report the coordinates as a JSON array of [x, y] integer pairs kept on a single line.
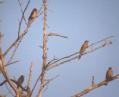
[[20, 81], [83, 48], [32, 16], [109, 75]]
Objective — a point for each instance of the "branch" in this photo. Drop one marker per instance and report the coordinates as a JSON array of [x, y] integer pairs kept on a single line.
[[23, 17], [50, 80], [30, 76], [9, 91], [93, 47], [44, 56], [4, 71], [12, 63], [89, 89], [56, 34], [34, 85], [16, 82], [13, 53], [19, 38]]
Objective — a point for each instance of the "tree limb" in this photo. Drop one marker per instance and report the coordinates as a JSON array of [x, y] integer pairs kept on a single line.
[[89, 89], [56, 34], [93, 47]]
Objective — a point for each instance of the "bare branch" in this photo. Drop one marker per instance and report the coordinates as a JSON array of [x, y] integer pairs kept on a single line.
[[56, 34], [23, 17], [19, 36], [44, 56], [35, 85], [12, 63], [4, 71], [15, 43], [30, 75], [52, 60], [50, 80], [40, 10], [10, 92], [89, 89], [93, 47], [12, 55]]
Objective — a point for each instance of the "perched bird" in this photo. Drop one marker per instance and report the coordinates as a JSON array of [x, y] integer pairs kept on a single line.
[[32, 16], [109, 75], [20, 81], [83, 48]]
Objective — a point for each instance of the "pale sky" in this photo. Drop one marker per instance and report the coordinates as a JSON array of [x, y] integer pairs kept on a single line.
[[80, 20]]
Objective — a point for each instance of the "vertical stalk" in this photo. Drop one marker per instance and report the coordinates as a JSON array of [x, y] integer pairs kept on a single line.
[[44, 57], [44, 44], [44, 35]]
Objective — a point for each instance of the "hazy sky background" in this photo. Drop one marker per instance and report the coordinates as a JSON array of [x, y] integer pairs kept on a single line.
[[80, 20]]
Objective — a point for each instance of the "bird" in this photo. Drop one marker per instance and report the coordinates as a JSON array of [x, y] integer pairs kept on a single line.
[[83, 48], [109, 75], [32, 16], [20, 81]]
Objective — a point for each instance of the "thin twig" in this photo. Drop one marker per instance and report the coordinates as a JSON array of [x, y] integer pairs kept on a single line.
[[4, 72], [35, 85], [56, 34], [23, 17], [50, 80], [17, 44], [12, 63], [9, 90], [19, 36], [30, 75], [12, 55]]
